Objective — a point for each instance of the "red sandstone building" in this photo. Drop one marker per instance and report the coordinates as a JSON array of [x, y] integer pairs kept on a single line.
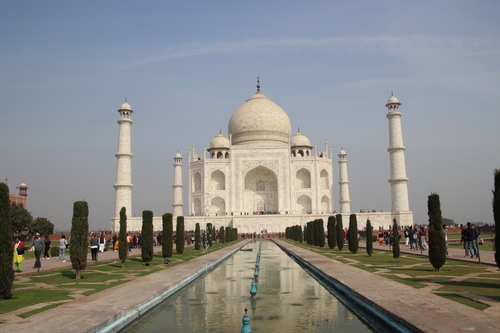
[[20, 196]]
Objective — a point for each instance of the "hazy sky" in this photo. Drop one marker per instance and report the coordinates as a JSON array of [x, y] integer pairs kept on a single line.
[[186, 66]]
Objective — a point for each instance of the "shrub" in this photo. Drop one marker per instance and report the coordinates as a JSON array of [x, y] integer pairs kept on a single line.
[[437, 244], [168, 234], [209, 234], [147, 236], [395, 246], [197, 237], [352, 234], [6, 254], [79, 242], [332, 235], [340, 232], [369, 238], [179, 240], [122, 237], [496, 215]]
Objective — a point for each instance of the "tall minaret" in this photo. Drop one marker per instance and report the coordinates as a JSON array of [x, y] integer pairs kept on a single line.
[[398, 180], [177, 186], [123, 186], [345, 202]]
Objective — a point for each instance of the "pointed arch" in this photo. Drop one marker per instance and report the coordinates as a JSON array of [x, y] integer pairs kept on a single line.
[[304, 204], [303, 179], [218, 181], [324, 180]]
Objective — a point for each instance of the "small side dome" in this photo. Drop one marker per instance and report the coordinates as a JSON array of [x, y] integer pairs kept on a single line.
[[220, 141], [342, 152], [125, 106], [393, 100], [300, 140], [177, 155], [23, 184]]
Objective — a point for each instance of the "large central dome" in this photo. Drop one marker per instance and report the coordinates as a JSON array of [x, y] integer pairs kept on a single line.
[[259, 121]]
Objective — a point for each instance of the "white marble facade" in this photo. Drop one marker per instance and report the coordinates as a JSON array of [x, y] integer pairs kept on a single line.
[[261, 178]]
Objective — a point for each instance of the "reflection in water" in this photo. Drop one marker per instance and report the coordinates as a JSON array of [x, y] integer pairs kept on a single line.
[[288, 300]]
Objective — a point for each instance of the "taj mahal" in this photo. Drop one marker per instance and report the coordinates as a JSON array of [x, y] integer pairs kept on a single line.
[[261, 178]]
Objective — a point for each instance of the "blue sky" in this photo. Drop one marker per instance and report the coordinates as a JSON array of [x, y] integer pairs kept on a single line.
[[186, 66]]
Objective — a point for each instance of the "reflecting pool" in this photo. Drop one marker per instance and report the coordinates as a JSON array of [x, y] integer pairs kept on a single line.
[[288, 300]]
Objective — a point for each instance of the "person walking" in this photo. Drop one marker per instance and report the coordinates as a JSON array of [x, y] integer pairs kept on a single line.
[[38, 245], [46, 247], [94, 245], [102, 242], [18, 255], [445, 234], [63, 244]]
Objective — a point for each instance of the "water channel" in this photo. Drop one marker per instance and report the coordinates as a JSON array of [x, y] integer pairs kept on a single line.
[[288, 300]]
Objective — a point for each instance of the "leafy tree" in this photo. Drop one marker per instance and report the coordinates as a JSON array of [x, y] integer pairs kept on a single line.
[[340, 232], [122, 237], [448, 222], [179, 240], [42, 225], [369, 238], [496, 215], [6, 255], [197, 237], [395, 247], [437, 244], [147, 237], [209, 234], [332, 235], [352, 234], [21, 219], [79, 242], [168, 235]]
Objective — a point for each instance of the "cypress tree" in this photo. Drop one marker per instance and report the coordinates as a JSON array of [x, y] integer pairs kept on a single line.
[[316, 232], [228, 234], [168, 235], [395, 246], [352, 234], [332, 238], [437, 245], [6, 255], [340, 232], [369, 238], [310, 231], [321, 232], [496, 215], [179, 240], [122, 238], [79, 242], [306, 236], [299, 232], [147, 237], [209, 234], [221, 235], [197, 237]]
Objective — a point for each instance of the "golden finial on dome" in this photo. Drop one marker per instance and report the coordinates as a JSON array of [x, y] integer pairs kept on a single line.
[[258, 83]]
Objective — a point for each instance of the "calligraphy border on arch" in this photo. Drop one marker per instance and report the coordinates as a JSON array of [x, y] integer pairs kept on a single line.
[[249, 165]]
